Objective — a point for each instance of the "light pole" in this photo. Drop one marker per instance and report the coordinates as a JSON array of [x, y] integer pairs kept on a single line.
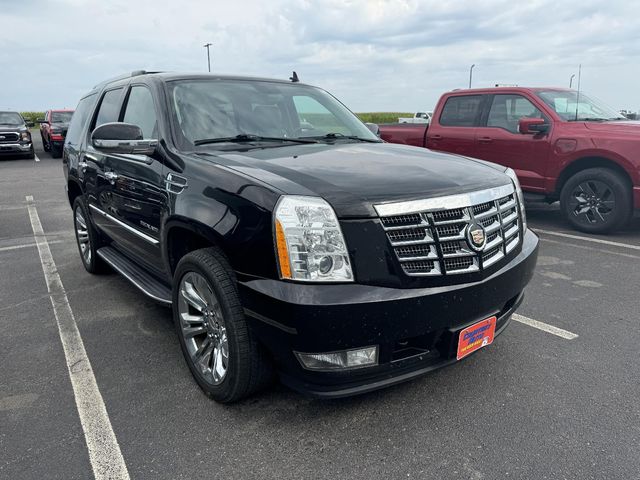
[[207, 45], [571, 80], [471, 74]]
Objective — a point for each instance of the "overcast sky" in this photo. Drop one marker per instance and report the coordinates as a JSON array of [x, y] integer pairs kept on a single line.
[[374, 55]]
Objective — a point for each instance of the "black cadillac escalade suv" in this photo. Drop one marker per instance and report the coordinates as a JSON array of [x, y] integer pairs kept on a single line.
[[287, 238]]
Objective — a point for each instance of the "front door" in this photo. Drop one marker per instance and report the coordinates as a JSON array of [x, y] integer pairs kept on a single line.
[[498, 140]]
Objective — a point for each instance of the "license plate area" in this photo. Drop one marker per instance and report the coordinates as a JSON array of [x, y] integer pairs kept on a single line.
[[476, 336]]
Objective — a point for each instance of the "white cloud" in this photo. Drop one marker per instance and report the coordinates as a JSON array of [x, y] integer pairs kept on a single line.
[[372, 54]]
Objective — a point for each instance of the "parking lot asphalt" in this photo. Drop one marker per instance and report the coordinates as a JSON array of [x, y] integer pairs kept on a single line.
[[534, 405]]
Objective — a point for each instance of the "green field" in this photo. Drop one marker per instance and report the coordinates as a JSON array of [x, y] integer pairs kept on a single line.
[[382, 117]]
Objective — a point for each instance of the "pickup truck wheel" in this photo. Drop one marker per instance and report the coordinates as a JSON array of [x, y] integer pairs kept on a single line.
[[45, 145], [56, 152], [224, 358], [596, 200], [87, 237]]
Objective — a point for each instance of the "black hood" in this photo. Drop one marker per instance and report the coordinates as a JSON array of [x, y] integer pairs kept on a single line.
[[355, 176]]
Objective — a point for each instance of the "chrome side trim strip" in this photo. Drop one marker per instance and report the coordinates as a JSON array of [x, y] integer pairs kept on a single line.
[[444, 203], [144, 236]]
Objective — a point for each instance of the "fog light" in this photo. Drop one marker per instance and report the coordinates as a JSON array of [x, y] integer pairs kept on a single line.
[[342, 360]]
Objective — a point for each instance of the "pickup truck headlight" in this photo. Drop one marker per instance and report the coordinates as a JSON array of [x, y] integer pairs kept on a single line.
[[309, 243], [25, 136], [516, 184]]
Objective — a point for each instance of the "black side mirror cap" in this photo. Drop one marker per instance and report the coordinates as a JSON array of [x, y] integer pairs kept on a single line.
[[123, 138]]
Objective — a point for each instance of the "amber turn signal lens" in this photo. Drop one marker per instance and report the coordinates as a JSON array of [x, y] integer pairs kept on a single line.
[[283, 253]]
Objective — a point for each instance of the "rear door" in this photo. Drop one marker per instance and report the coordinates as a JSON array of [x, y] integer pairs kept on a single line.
[[454, 130], [135, 190], [499, 140]]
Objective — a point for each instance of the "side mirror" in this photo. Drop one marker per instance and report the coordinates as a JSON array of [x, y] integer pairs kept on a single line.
[[375, 129], [532, 125], [30, 124], [41, 120], [123, 138]]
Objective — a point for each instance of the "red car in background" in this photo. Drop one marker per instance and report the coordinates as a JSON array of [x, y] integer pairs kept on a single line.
[[563, 145], [53, 128]]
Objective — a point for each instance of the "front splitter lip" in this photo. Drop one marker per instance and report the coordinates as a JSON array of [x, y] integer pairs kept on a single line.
[[341, 391]]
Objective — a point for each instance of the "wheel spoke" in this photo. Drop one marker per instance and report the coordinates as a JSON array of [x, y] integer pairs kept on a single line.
[[190, 332], [192, 297]]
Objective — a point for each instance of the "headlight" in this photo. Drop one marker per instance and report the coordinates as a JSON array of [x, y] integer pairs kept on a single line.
[[516, 184], [25, 136], [309, 243]]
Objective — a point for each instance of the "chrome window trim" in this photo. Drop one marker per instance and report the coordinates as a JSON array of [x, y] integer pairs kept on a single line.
[[444, 203], [144, 236]]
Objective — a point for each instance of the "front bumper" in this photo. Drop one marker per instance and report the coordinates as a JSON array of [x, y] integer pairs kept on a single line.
[[15, 148], [415, 329]]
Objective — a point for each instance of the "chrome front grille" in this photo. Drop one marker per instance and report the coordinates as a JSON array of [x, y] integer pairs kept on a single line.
[[9, 137], [434, 239]]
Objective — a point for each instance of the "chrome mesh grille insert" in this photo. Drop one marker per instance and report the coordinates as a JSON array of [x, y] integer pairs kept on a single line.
[[434, 241]]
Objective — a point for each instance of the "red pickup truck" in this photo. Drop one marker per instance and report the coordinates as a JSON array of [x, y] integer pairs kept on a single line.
[[563, 145], [53, 128]]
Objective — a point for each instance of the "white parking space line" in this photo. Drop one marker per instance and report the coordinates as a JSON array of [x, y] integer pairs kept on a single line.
[[104, 452], [36, 158], [592, 249], [588, 239], [545, 327], [25, 245]]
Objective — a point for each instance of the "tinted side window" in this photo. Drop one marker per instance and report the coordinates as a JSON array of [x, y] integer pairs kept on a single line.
[[507, 110], [79, 119], [109, 107], [140, 111], [461, 111]]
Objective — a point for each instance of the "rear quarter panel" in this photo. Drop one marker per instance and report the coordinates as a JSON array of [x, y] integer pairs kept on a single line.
[[414, 134]]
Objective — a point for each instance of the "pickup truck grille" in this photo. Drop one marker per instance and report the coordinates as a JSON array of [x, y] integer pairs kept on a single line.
[[9, 137], [438, 241]]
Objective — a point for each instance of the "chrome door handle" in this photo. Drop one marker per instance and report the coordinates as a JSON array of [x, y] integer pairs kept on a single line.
[[111, 176]]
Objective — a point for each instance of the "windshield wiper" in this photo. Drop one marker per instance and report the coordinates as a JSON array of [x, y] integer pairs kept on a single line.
[[340, 136], [245, 137]]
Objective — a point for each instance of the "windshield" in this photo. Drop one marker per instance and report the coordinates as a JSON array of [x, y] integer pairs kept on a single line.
[[61, 117], [254, 111], [572, 106], [10, 118]]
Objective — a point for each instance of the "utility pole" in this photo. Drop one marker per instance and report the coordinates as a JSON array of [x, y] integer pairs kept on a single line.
[[207, 45], [471, 74], [571, 80]]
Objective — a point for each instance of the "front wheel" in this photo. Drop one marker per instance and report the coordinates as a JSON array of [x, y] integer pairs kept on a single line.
[[596, 200], [224, 358]]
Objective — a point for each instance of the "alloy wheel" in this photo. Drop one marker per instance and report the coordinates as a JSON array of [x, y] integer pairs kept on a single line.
[[82, 233], [203, 327], [592, 202]]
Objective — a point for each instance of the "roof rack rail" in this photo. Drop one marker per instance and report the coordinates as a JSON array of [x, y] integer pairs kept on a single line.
[[135, 73]]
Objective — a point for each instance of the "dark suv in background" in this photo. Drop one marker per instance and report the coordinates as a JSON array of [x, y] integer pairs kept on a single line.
[[53, 128], [287, 237], [15, 137]]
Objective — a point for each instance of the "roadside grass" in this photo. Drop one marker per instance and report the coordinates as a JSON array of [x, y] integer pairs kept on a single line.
[[32, 116], [382, 117]]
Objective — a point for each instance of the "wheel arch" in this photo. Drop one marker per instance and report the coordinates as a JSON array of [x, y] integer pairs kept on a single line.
[[74, 190], [182, 236], [590, 162]]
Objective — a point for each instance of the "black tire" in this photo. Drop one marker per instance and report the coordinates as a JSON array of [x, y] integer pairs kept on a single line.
[[596, 200], [56, 152], [248, 369], [46, 146], [92, 263], [31, 155]]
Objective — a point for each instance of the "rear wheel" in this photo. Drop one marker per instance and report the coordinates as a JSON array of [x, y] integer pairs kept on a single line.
[[45, 145], [596, 200], [87, 237], [56, 152], [224, 358]]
